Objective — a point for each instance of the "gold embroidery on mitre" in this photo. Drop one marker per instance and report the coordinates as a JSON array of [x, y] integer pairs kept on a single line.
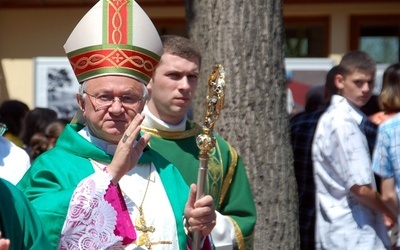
[[117, 20], [116, 57]]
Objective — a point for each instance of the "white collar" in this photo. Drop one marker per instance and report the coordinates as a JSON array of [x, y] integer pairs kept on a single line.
[[102, 144], [353, 110], [152, 121]]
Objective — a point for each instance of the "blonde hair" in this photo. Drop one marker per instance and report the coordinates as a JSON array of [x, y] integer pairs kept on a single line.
[[389, 98]]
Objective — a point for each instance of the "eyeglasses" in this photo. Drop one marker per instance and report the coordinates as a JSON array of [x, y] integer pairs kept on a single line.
[[104, 101], [3, 128]]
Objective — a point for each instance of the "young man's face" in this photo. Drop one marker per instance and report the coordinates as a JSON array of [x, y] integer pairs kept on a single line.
[[356, 87], [172, 88], [109, 105]]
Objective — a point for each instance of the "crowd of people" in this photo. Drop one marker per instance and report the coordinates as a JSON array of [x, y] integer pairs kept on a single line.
[[346, 160], [27, 134], [122, 173]]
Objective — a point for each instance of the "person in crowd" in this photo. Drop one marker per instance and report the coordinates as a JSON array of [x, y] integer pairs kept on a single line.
[[387, 100], [315, 98], [12, 113], [171, 92], [20, 226], [53, 131], [386, 158], [41, 142], [302, 128], [99, 187], [38, 144], [35, 123], [350, 213], [14, 161]]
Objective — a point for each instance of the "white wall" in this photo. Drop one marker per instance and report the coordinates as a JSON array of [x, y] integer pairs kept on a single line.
[[38, 32]]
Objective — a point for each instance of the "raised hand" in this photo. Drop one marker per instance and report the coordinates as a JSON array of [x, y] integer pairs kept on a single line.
[[128, 150]]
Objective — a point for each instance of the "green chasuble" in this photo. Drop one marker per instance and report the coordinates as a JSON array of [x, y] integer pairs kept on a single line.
[[227, 179], [53, 177], [19, 221]]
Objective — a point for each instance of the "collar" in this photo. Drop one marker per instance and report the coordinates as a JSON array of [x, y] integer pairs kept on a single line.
[[354, 112], [102, 144], [152, 121]]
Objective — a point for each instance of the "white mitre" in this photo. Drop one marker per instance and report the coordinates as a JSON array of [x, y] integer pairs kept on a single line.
[[115, 37]]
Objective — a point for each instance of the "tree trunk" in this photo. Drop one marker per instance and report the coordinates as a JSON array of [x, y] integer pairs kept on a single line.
[[247, 37]]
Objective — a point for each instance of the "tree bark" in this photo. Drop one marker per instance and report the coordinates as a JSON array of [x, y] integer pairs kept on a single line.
[[247, 37]]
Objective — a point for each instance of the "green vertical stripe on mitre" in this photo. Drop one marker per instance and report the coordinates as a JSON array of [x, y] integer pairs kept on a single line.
[[130, 23], [176, 188], [105, 21]]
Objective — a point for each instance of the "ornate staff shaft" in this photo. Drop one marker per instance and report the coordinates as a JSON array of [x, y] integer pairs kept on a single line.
[[206, 141]]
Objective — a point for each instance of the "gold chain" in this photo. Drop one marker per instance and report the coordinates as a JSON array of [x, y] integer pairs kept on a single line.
[[140, 223]]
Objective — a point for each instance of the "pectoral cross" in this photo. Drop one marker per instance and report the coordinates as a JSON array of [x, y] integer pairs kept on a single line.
[[141, 225], [144, 239]]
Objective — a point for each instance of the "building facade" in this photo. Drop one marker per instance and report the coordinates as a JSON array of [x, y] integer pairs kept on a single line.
[[313, 29]]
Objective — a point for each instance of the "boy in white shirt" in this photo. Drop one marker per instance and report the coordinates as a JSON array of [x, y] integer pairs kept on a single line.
[[349, 210]]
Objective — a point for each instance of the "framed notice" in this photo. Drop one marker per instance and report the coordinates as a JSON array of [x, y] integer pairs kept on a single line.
[[56, 85]]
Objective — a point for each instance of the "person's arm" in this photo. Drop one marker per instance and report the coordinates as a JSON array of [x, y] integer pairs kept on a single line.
[[94, 216], [389, 195], [372, 199], [96, 200], [200, 216], [128, 150]]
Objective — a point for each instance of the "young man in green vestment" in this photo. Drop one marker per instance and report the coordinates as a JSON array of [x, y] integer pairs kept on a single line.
[[99, 187], [172, 89]]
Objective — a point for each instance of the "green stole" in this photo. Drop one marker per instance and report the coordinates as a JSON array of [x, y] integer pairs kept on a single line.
[[53, 177], [227, 180]]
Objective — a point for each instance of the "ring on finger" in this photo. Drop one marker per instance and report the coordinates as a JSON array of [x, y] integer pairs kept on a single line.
[[125, 138]]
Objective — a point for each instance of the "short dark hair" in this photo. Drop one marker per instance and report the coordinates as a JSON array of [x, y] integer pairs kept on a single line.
[[357, 61], [12, 113], [330, 86], [180, 46]]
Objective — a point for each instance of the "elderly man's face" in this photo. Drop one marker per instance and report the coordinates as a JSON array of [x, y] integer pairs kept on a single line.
[[109, 104]]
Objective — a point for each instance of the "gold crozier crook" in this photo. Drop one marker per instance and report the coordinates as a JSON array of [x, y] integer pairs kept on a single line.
[[205, 141]]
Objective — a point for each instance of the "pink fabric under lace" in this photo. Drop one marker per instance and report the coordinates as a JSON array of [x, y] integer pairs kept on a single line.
[[97, 217]]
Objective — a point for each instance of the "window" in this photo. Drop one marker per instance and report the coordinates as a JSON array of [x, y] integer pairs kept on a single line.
[[306, 36], [377, 35]]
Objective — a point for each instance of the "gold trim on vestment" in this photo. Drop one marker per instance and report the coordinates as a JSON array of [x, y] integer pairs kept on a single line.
[[193, 131], [238, 235], [229, 176]]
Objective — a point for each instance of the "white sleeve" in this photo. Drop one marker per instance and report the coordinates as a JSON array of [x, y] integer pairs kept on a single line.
[[90, 220], [223, 234]]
